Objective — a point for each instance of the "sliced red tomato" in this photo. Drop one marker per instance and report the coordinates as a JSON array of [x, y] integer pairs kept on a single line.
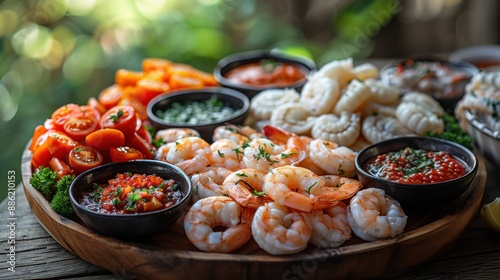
[[41, 156], [60, 167], [125, 77], [60, 115], [94, 103], [140, 144], [37, 133], [79, 126], [82, 158], [110, 96], [59, 144], [149, 89], [124, 153], [122, 118], [105, 138], [154, 64]]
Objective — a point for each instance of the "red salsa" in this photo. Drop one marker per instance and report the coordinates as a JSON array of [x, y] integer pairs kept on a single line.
[[415, 166], [132, 193], [266, 72]]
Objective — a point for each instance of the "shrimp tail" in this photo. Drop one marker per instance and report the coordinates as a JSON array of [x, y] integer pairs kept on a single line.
[[277, 134], [324, 201]]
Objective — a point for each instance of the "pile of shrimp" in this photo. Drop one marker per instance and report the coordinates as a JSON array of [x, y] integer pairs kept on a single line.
[[283, 190], [482, 97], [348, 105]]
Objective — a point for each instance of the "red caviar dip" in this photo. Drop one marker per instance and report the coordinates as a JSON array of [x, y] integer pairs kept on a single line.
[[415, 166], [132, 193], [266, 72]]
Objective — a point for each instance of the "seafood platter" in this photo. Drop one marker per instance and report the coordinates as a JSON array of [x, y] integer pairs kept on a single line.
[[275, 195]]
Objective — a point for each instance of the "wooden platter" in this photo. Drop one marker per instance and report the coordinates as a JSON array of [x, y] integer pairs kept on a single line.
[[169, 255]]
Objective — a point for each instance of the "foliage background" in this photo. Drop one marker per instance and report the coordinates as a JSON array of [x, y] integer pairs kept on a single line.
[[54, 52]]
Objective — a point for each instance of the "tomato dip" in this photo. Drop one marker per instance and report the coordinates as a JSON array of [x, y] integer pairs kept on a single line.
[[415, 166], [132, 193], [266, 72]]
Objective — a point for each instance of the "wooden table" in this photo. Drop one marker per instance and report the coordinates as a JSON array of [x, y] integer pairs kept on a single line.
[[476, 255]]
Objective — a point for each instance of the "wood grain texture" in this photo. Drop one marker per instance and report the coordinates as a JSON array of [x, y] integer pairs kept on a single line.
[[428, 235]]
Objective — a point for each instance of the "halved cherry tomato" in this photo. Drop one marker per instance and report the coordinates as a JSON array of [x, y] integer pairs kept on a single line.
[[79, 126], [41, 156], [122, 118], [140, 144], [94, 103], [152, 64], [39, 131], [104, 138], [124, 153], [125, 77], [149, 89], [82, 158], [59, 144], [110, 96], [139, 108], [60, 167], [180, 80], [60, 115]]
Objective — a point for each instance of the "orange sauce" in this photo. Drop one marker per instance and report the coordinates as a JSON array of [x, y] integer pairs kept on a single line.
[[483, 64], [266, 73]]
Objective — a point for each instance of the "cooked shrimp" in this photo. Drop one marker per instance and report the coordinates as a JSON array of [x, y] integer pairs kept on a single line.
[[418, 119], [343, 130], [373, 215], [319, 95], [239, 134], [279, 231], [343, 187], [293, 117], [339, 70], [208, 182], [354, 99], [218, 211], [301, 189], [173, 134], [329, 226], [373, 108], [262, 154], [264, 103], [381, 93], [425, 101], [365, 71], [226, 153], [334, 159], [378, 128], [245, 187], [191, 154]]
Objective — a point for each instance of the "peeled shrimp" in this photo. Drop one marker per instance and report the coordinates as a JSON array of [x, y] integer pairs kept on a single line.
[[319, 95], [293, 117], [343, 130], [191, 154], [262, 154], [226, 153], [378, 109], [354, 99], [339, 70], [216, 211], [173, 134], [381, 93], [334, 159], [365, 71], [329, 226], [301, 189], [239, 134], [377, 128], [418, 119], [425, 101], [279, 231], [266, 101], [245, 187], [373, 215], [208, 182]]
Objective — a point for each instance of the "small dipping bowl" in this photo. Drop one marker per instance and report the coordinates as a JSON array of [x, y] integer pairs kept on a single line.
[[130, 226], [419, 196], [229, 97], [273, 57]]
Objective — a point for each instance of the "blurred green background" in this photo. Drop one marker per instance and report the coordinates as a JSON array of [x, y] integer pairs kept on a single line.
[[54, 52]]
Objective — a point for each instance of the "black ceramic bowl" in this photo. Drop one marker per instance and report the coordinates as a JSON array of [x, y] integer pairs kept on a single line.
[[423, 196], [130, 226], [447, 96], [231, 98], [230, 62]]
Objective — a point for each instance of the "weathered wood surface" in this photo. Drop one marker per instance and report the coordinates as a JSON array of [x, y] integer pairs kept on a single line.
[[476, 255]]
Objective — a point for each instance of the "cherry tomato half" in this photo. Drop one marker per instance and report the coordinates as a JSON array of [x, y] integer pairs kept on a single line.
[[103, 139], [82, 158], [110, 96], [124, 153], [60, 167], [79, 126], [59, 144], [122, 118], [60, 115], [37, 133], [140, 144]]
